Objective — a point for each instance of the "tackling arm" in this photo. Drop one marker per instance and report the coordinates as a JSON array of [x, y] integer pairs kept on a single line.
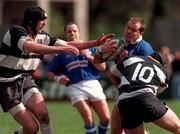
[[31, 46]]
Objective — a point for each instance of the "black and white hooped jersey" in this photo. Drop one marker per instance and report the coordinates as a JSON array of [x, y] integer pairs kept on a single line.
[[14, 61], [139, 75]]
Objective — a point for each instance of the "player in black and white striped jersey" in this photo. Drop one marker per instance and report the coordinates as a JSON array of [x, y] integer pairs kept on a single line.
[[143, 78], [20, 55]]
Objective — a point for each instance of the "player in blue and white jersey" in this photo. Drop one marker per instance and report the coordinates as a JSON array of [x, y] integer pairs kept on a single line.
[[135, 45], [80, 74], [21, 52], [143, 78]]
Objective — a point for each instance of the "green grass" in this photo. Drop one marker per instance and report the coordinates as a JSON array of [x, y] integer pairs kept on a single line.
[[66, 120]]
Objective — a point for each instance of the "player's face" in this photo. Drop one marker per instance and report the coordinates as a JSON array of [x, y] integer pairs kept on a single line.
[[40, 25], [132, 32], [72, 33]]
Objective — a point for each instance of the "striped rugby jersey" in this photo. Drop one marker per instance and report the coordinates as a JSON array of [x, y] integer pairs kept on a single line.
[[140, 74], [14, 61]]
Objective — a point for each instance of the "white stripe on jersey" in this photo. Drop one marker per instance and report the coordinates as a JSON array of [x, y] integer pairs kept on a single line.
[[160, 74], [19, 63], [132, 60], [42, 39], [10, 79], [124, 81], [135, 93], [21, 41], [60, 43], [7, 39]]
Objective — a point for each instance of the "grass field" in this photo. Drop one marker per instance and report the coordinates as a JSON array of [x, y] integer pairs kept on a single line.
[[66, 120]]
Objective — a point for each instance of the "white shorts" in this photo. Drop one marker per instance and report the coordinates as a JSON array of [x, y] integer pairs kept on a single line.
[[86, 90]]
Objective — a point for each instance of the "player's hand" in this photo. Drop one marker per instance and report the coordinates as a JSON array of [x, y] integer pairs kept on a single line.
[[102, 39], [122, 55], [70, 49], [85, 52], [64, 80], [108, 47]]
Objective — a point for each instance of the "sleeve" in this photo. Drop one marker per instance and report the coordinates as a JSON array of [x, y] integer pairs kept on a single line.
[[147, 49], [18, 36], [92, 50], [60, 42]]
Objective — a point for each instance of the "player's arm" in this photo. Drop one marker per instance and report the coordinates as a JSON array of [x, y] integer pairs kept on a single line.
[[55, 71], [107, 48], [86, 44], [98, 66], [98, 58], [61, 79], [31, 46], [25, 43]]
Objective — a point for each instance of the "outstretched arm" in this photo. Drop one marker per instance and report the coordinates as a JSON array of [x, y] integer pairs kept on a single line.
[[93, 43], [31, 46]]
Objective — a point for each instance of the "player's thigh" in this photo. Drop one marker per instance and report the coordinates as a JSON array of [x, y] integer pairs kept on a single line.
[[35, 103], [83, 108], [115, 116], [101, 108], [116, 121], [169, 121]]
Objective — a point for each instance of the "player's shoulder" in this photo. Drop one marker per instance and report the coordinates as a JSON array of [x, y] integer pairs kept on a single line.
[[17, 29], [144, 43]]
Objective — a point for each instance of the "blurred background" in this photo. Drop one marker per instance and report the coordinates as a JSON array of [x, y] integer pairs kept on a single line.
[[95, 17]]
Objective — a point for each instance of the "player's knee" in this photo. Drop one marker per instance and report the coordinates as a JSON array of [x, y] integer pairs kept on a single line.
[[43, 117], [106, 120], [88, 120]]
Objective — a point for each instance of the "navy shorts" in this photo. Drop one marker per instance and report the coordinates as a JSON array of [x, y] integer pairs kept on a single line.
[[142, 108], [11, 93]]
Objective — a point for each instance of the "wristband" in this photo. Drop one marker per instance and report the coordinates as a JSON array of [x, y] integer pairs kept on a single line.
[[57, 78]]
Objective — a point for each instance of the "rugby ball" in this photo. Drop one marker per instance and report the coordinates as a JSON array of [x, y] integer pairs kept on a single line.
[[114, 55]]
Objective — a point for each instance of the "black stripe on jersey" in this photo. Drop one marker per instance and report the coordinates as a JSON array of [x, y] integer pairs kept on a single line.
[[52, 41], [16, 33], [129, 88], [8, 73]]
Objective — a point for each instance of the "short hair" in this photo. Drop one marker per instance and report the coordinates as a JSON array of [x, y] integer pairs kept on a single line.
[[33, 14], [70, 23], [140, 20]]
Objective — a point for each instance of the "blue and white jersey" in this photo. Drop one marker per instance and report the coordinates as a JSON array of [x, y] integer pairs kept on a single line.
[[140, 47], [77, 68], [14, 61]]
